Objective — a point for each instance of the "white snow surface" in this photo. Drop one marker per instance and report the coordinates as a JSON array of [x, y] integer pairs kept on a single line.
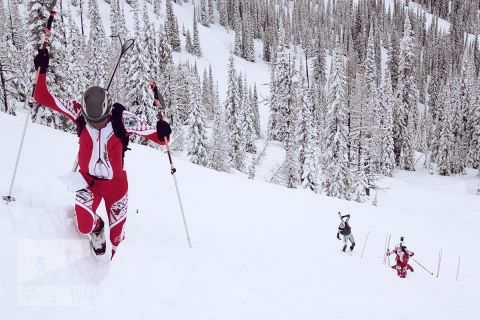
[[260, 251]]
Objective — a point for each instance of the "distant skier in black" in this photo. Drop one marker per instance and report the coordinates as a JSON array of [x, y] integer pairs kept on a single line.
[[346, 232]]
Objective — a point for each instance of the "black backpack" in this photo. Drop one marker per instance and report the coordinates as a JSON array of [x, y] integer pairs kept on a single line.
[[117, 124], [346, 230]]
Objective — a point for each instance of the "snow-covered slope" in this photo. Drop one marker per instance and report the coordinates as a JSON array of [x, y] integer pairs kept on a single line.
[[260, 251]]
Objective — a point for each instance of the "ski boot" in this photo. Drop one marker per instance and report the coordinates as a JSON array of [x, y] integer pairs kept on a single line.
[[344, 248], [352, 246], [97, 240]]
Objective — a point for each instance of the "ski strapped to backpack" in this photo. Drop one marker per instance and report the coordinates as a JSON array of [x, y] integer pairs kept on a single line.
[[126, 45]]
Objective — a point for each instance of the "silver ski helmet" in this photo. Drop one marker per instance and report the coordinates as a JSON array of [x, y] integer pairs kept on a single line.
[[96, 104]]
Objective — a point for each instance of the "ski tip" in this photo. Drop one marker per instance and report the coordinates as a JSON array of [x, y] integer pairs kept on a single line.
[[127, 45]]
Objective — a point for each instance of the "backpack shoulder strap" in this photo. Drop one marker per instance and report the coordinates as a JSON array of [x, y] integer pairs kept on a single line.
[[118, 126], [81, 123]]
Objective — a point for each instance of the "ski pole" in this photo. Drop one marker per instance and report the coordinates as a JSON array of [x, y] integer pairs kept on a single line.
[[458, 267], [159, 102], [439, 262], [388, 249], [387, 245], [9, 198], [431, 273], [364, 244]]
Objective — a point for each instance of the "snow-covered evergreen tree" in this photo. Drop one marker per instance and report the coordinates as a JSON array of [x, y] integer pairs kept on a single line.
[[234, 118], [75, 61], [164, 53], [280, 90], [197, 137], [319, 61], [204, 15], [3, 23], [196, 39], [171, 27], [14, 56], [249, 120], [474, 149], [114, 17], [152, 55], [393, 59], [238, 41], [157, 7], [371, 151], [207, 96], [254, 107], [222, 10], [97, 49], [307, 137], [219, 145], [36, 16], [16, 25], [336, 171], [406, 115], [462, 125], [247, 38], [211, 14], [444, 159], [457, 156], [4, 62], [188, 42], [139, 97], [213, 95], [359, 139], [387, 156]]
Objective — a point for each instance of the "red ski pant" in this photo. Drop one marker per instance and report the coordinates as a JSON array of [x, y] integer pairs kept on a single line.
[[402, 268], [115, 194]]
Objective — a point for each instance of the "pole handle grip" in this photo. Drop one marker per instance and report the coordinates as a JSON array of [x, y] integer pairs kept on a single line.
[[157, 99]]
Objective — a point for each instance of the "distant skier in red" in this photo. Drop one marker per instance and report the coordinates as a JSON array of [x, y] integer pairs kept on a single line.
[[103, 129], [402, 255]]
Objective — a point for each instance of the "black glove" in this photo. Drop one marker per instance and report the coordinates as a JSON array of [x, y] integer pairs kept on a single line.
[[163, 130], [338, 237], [41, 60]]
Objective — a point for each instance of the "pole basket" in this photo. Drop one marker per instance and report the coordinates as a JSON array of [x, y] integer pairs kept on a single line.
[[8, 199]]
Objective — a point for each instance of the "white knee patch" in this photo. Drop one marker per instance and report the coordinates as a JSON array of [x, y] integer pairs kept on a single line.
[[85, 198], [118, 211]]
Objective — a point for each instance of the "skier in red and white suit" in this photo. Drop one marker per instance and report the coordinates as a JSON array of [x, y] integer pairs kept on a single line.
[[100, 154], [402, 255]]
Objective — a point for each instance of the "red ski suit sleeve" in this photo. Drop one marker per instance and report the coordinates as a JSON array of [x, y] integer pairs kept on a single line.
[[73, 109], [138, 126]]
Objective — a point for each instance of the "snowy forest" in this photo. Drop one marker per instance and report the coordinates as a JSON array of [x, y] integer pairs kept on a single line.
[[358, 88]]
